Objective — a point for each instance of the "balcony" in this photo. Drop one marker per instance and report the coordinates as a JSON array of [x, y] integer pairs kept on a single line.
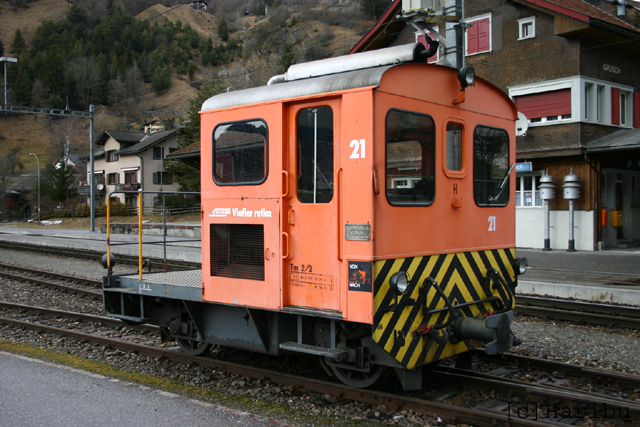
[[85, 190], [128, 187]]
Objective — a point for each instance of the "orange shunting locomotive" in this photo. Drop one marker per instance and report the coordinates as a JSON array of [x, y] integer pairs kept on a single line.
[[356, 208]]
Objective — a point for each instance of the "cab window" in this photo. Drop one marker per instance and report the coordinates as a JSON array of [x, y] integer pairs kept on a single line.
[[490, 166], [410, 158], [240, 153], [315, 154]]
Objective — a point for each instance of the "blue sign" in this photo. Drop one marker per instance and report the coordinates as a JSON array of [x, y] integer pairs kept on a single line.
[[524, 167]]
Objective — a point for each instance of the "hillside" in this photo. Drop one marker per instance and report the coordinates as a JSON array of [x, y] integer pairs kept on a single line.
[[302, 29]]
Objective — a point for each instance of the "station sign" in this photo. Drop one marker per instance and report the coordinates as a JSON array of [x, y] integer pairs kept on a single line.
[[524, 167]]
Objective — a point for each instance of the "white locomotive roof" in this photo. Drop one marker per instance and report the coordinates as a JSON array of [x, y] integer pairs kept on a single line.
[[323, 76], [323, 84]]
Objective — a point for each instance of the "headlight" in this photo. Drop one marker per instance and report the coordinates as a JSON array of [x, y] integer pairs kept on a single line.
[[520, 265], [399, 282], [466, 75]]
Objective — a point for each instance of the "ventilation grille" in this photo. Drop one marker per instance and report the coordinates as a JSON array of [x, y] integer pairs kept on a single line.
[[237, 251]]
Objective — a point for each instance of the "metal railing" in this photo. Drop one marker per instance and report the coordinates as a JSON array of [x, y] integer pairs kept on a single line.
[[128, 187], [140, 209]]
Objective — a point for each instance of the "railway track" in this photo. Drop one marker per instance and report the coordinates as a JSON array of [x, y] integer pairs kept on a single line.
[[517, 402], [579, 311], [53, 280], [104, 331], [157, 264]]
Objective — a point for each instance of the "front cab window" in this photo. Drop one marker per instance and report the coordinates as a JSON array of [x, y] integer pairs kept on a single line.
[[491, 166], [410, 162], [240, 153]]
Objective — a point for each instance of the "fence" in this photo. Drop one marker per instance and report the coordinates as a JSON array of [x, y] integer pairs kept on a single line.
[[119, 209]]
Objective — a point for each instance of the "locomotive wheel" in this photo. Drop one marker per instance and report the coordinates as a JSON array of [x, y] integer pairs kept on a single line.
[[193, 347], [359, 379]]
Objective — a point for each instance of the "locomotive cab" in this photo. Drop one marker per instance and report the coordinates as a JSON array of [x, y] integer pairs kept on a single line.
[[359, 209]]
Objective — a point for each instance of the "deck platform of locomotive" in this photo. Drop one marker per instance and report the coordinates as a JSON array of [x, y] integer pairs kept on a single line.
[[611, 276]]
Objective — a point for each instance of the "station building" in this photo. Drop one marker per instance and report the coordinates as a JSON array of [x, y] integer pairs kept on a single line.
[[572, 69]]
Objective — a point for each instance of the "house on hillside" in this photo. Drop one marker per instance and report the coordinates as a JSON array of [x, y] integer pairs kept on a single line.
[[198, 5], [133, 161], [155, 125], [571, 67]]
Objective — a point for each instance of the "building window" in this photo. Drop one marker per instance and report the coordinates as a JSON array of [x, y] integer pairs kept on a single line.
[[636, 109], [621, 106], [113, 178], [454, 147], [112, 156], [131, 177], [163, 178], [158, 153], [527, 28], [130, 200], [551, 106], [315, 154], [528, 191], [240, 152], [600, 103], [491, 166], [479, 35], [410, 170]]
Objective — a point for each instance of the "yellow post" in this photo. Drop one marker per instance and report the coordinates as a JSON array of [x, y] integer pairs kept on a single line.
[[140, 234], [108, 236]]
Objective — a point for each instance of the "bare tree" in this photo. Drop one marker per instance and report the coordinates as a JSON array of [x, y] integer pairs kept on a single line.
[[85, 72], [134, 82], [61, 139]]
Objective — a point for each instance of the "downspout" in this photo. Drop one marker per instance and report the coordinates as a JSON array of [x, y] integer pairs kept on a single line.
[[597, 211]]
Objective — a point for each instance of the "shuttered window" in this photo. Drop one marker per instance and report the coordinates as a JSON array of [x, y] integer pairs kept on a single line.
[[615, 106], [479, 36], [546, 104], [636, 109]]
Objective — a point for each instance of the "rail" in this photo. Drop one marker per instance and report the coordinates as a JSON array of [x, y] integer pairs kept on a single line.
[[140, 193]]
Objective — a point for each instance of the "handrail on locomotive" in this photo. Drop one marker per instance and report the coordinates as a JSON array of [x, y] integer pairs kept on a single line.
[[107, 260]]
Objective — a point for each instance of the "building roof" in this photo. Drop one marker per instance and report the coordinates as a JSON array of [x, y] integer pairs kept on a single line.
[[147, 141], [189, 155], [191, 150], [123, 137], [623, 139], [581, 10], [24, 184], [388, 26]]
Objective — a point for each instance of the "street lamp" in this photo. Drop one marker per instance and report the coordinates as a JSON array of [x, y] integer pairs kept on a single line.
[[5, 60], [38, 161]]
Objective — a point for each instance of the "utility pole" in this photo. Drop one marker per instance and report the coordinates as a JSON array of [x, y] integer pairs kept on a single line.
[[5, 59]]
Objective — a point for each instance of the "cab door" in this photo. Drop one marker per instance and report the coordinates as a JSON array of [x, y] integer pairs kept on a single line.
[[312, 206]]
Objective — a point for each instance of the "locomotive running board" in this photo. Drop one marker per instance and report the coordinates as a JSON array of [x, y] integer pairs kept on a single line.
[[333, 353]]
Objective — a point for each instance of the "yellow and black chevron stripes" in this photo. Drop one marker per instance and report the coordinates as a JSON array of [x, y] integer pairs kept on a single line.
[[459, 275]]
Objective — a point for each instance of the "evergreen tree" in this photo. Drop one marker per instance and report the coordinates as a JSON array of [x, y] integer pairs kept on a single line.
[[187, 176], [19, 45], [223, 29], [375, 8], [288, 58], [55, 181], [161, 79]]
